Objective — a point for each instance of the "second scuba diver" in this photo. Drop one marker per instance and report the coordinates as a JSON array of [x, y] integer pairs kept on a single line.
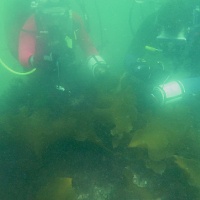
[[165, 51]]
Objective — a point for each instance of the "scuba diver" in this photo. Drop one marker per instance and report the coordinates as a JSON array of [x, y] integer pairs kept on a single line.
[[165, 51], [48, 37]]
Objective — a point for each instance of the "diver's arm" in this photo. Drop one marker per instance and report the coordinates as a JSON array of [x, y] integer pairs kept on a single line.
[[96, 63], [27, 41], [83, 37]]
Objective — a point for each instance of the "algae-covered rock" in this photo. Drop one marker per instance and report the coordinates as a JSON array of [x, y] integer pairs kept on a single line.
[[138, 186]]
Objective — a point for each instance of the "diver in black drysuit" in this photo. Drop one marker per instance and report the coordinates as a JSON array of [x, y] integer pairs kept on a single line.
[[166, 47]]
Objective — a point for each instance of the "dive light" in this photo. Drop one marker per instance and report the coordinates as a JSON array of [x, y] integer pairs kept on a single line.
[[175, 90]]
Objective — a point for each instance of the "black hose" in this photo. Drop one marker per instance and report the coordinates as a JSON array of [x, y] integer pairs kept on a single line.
[[100, 24], [81, 3], [131, 18]]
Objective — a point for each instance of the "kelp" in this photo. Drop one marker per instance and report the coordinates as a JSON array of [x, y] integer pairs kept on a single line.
[[117, 108], [48, 114], [164, 134], [57, 188], [112, 120], [191, 167], [39, 129], [171, 136]]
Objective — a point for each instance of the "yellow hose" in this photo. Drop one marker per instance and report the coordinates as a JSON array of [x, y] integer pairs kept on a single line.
[[14, 72], [149, 48]]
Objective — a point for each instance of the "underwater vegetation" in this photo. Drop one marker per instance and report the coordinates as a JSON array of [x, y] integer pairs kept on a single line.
[[97, 144]]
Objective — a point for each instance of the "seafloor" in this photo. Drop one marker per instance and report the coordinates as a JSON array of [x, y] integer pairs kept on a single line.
[[94, 142]]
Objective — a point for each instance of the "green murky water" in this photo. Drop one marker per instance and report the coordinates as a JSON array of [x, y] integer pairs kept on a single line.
[[103, 139]]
